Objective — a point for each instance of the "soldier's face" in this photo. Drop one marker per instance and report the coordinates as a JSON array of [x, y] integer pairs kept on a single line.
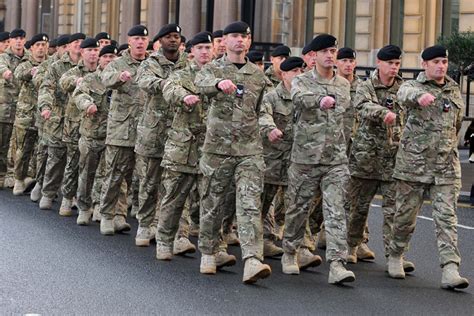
[[276, 62], [436, 68], [171, 42], [61, 50], [346, 66], [289, 75], [105, 59], [4, 45], [17, 42], [309, 60], [326, 58], [52, 50], [389, 68], [39, 49], [75, 47], [182, 47], [90, 55], [236, 42], [138, 44], [202, 53], [219, 47], [104, 42], [156, 46]]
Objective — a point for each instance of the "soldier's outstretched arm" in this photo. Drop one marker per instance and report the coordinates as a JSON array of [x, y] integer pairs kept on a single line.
[[3, 63], [408, 94], [150, 77], [68, 80], [47, 89], [366, 103], [303, 97], [40, 74], [81, 95], [174, 93], [265, 120], [206, 81], [110, 76], [23, 71]]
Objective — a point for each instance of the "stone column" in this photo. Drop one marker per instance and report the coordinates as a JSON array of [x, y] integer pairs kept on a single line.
[[225, 11], [130, 17], [190, 17], [158, 13], [12, 15]]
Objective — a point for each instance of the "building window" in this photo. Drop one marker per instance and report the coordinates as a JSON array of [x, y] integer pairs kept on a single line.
[[450, 21], [396, 22]]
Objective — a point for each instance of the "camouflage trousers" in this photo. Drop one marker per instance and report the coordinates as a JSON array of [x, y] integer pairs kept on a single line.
[[41, 157], [279, 207], [119, 166], [54, 171], [11, 157], [305, 182], [218, 173], [71, 171], [361, 194], [192, 205], [268, 212], [5, 135], [90, 154], [409, 200], [149, 171], [177, 187], [25, 147]]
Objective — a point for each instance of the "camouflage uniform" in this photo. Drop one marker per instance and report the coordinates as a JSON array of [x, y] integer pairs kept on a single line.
[[276, 112], [232, 150], [428, 160], [182, 151], [52, 97], [372, 158], [318, 162], [270, 73], [9, 90], [152, 130], [26, 116], [125, 109], [72, 121]]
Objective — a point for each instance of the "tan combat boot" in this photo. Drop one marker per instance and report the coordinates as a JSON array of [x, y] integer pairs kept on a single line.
[[255, 270], [45, 203], [231, 239], [107, 227], [183, 246], [352, 255], [339, 274], [96, 216], [144, 236], [395, 267], [208, 264], [84, 218], [306, 259], [120, 224], [35, 194], [223, 259], [451, 279], [163, 252], [194, 230], [289, 264], [270, 249], [66, 207], [364, 252], [19, 187]]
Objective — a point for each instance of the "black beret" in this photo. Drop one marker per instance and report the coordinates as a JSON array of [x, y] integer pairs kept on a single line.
[[102, 35], [122, 48], [114, 42], [4, 36], [291, 63], [63, 40], [90, 42], [346, 52], [217, 33], [321, 42], [389, 52], [138, 30], [255, 56], [150, 46], [27, 45], [108, 49], [183, 39], [77, 36], [167, 29], [188, 46], [281, 50], [17, 33], [38, 38], [201, 37], [237, 27], [53, 43], [306, 49], [433, 52]]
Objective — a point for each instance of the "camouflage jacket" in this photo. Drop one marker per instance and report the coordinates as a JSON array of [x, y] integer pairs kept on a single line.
[[232, 121], [9, 89], [72, 115], [90, 91], [26, 108], [52, 97], [270, 73], [319, 134], [373, 153], [38, 80], [277, 112], [157, 116], [428, 149], [186, 136], [127, 101], [351, 120]]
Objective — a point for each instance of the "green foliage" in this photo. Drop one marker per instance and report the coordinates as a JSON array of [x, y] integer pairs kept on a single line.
[[461, 48]]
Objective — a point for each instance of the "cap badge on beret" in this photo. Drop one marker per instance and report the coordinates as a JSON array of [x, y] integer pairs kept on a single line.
[[178, 29], [45, 38], [145, 31]]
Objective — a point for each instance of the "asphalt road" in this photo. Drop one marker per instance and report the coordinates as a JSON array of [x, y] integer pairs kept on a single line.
[[49, 265]]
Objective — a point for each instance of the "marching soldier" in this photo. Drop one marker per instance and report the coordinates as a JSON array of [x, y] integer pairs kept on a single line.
[[4, 41], [277, 56]]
